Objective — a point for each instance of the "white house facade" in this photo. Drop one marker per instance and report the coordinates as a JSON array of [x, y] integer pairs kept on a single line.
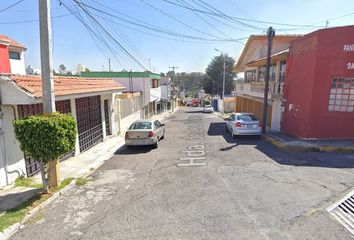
[[90, 101]]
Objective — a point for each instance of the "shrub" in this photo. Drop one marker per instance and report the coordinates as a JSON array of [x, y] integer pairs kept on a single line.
[[46, 137]]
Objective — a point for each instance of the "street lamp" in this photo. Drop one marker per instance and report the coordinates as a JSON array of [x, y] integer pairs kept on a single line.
[[223, 76]]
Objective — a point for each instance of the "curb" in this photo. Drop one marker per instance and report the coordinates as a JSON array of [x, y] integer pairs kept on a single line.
[[301, 148], [10, 231]]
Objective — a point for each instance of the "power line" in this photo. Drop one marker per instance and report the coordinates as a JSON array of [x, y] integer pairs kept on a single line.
[[82, 6], [218, 30], [12, 5], [94, 35], [150, 27], [109, 22], [170, 38], [222, 15], [179, 21], [216, 19], [35, 20], [214, 10]]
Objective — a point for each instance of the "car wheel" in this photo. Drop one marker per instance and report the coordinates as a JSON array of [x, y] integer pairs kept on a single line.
[[163, 136], [156, 145], [226, 128]]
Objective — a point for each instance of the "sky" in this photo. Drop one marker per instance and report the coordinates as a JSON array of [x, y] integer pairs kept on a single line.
[[155, 50]]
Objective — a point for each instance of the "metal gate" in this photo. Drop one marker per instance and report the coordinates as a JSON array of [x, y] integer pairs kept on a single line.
[[32, 165], [106, 117], [89, 121]]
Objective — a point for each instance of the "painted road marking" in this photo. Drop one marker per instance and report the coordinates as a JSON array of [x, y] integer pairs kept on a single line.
[[194, 155]]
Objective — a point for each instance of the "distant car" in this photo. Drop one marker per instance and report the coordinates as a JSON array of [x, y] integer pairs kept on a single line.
[[243, 124], [208, 109], [145, 132], [195, 102], [188, 103]]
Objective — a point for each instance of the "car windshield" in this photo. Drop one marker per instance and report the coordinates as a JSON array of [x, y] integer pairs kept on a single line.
[[207, 106], [141, 125], [247, 117]]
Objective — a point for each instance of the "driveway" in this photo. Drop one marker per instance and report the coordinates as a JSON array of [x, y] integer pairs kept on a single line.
[[202, 184]]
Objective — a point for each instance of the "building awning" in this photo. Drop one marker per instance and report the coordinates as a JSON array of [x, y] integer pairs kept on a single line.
[[275, 57]]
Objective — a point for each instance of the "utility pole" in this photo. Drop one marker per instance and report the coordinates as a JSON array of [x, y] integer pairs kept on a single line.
[[46, 56], [270, 35], [48, 97], [173, 70], [109, 65], [223, 78]]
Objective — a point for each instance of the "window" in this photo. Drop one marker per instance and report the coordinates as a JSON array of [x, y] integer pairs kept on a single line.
[[156, 124], [141, 125], [341, 96], [250, 76], [154, 83], [262, 71], [282, 71], [273, 72], [15, 55], [247, 117]]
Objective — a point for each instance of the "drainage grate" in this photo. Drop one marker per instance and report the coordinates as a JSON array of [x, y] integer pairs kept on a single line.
[[343, 211]]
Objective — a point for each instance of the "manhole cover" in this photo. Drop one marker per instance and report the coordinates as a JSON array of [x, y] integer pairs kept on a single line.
[[343, 211]]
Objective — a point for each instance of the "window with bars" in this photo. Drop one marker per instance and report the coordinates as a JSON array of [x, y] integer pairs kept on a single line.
[[341, 97]]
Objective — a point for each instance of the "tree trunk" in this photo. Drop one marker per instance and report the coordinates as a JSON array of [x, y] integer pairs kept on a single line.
[[44, 179]]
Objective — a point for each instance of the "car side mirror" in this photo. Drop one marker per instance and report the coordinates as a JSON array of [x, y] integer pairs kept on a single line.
[[162, 124]]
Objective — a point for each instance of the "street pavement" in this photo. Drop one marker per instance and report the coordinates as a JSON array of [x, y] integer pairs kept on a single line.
[[202, 184]]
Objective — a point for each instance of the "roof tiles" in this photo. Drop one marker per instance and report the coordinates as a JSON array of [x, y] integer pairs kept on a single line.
[[65, 85], [11, 42]]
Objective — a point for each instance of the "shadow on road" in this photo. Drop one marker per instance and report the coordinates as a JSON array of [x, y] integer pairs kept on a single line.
[[124, 150], [310, 159], [219, 129]]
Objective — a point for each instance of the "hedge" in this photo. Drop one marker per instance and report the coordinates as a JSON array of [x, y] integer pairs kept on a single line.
[[46, 137]]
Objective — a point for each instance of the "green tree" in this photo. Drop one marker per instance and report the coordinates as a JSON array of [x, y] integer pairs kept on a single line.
[[189, 82], [62, 69], [46, 138], [213, 82]]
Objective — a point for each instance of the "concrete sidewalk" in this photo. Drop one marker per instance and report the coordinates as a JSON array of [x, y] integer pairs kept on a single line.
[[78, 166], [290, 143]]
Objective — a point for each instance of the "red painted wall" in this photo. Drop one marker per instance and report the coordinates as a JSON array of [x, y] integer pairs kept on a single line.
[[314, 61], [4, 59]]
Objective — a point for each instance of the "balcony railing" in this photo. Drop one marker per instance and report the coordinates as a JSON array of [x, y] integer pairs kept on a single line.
[[275, 88]]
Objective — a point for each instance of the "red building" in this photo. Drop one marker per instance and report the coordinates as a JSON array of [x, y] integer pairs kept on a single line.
[[319, 87], [11, 56]]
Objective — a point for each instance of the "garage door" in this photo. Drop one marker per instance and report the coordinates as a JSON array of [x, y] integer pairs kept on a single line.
[[89, 122]]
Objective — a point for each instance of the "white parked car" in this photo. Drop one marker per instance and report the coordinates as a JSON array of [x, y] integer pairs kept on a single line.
[[145, 132], [243, 124], [208, 109]]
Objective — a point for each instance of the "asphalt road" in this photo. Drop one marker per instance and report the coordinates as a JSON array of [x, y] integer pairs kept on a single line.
[[202, 184]]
